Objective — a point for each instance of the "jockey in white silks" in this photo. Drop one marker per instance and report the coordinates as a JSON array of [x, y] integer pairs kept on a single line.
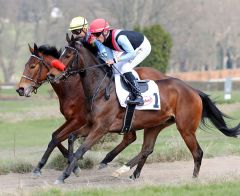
[[134, 46]]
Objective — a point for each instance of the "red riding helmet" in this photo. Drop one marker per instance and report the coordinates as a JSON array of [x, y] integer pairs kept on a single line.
[[99, 25]]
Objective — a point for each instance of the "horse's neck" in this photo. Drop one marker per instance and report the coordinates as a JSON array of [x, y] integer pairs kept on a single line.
[[58, 88], [93, 77], [65, 89]]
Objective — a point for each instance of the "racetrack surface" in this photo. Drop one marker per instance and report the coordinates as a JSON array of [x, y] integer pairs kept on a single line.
[[167, 173]]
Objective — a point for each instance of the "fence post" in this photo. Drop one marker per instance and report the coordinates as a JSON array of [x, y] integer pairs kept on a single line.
[[228, 88]]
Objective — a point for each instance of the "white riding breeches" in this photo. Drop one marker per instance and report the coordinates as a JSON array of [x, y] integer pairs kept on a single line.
[[141, 53]]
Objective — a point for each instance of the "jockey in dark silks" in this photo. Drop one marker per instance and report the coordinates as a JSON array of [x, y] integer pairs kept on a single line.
[[134, 46]]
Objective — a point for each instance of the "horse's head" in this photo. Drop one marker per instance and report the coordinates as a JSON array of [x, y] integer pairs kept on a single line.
[[74, 59], [36, 69]]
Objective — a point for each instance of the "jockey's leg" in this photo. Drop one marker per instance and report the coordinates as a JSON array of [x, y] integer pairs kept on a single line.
[[138, 100]]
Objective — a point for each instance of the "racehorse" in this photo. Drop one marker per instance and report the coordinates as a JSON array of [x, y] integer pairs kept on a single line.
[[71, 100], [180, 104]]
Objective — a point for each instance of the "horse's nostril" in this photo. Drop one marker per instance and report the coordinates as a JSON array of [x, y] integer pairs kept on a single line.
[[20, 91], [51, 77]]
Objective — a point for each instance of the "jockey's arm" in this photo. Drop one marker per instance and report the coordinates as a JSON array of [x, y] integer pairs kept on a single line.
[[101, 50], [129, 52]]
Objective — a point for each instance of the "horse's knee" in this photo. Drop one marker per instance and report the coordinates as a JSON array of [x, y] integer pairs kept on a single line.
[[130, 137], [54, 135], [146, 153], [72, 137], [53, 143]]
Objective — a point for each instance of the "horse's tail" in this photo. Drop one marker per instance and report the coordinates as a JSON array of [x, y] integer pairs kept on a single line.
[[211, 112]]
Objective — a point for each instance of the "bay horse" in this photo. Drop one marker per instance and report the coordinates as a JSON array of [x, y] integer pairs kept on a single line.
[[180, 104], [71, 100]]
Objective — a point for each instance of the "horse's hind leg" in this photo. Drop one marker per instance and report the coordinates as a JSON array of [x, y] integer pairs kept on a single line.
[[150, 136], [196, 151], [128, 138], [187, 118], [191, 141]]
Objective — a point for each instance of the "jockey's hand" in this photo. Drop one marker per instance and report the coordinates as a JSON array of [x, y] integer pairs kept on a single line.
[[110, 62]]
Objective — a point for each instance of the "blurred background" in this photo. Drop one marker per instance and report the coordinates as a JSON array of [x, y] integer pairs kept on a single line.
[[197, 41], [204, 34]]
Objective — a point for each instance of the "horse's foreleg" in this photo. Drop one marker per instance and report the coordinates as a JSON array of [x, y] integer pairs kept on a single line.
[[63, 150], [95, 134], [128, 138], [71, 139], [57, 137]]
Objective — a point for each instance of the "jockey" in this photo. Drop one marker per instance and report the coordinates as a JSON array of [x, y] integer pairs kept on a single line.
[[134, 46], [79, 28]]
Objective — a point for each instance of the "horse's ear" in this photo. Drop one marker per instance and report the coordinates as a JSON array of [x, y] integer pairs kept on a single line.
[[72, 38], [68, 38], [31, 49], [35, 49]]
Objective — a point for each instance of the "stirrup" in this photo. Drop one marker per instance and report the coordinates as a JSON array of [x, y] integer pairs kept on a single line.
[[137, 101]]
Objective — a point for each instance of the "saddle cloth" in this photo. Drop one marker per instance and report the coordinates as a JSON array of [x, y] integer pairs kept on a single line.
[[150, 96]]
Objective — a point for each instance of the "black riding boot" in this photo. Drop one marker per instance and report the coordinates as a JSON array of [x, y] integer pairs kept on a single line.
[[138, 100]]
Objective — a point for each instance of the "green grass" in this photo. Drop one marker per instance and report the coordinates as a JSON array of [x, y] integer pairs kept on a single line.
[[29, 137], [218, 189], [27, 133], [58, 162], [218, 96], [15, 166]]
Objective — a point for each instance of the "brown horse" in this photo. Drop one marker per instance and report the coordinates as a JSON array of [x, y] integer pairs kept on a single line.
[[180, 104], [71, 100]]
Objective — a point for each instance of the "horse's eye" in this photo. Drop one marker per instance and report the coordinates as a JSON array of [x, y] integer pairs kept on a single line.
[[32, 66], [67, 56]]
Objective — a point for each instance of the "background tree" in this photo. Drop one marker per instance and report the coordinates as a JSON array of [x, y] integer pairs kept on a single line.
[[10, 38], [161, 43], [195, 27]]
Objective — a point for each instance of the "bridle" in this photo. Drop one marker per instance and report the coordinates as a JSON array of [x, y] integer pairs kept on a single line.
[[70, 71], [36, 82]]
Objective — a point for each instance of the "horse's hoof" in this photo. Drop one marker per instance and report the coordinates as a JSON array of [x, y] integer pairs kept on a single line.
[[77, 171], [59, 182], [102, 165], [116, 174], [121, 170], [36, 174], [132, 177]]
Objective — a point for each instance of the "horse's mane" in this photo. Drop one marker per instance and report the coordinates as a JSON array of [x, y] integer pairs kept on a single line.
[[49, 50], [85, 44], [94, 51]]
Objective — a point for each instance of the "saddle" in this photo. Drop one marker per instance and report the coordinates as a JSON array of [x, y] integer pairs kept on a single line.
[[127, 122], [142, 84]]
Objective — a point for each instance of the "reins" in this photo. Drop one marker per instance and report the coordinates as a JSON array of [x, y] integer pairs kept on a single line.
[[70, 71]]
